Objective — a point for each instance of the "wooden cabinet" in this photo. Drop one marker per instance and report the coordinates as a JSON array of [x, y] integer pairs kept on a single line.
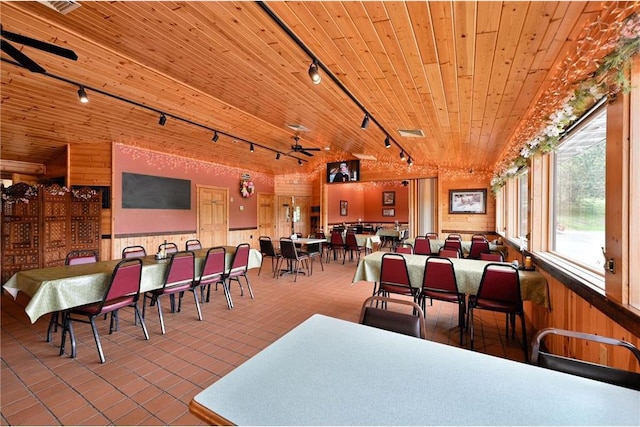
[[40, 225]]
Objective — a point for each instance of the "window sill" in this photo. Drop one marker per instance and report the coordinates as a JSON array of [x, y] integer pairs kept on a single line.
[[590, 287]]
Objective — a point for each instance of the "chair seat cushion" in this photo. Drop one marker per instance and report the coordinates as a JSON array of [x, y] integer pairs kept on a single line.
[[443, 296], [494, 305], [93, 309], [173, 289]]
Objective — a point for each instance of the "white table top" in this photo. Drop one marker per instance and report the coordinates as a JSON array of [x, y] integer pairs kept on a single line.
[[328, 371]]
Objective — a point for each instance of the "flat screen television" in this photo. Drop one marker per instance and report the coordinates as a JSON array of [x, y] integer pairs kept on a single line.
[[343, 171]]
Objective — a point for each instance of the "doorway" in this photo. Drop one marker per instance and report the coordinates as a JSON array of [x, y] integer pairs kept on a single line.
[[213, 216]]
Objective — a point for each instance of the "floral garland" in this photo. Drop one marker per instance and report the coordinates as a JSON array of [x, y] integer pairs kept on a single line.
[[20, 193], [246, 188], [589, 91]]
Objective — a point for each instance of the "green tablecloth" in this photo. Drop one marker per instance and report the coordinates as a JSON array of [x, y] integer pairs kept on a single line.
[[59, 288], [466, 246], [369, 241], [533, 285]]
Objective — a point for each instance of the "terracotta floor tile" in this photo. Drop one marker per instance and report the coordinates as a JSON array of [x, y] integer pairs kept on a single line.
[[151, 382]]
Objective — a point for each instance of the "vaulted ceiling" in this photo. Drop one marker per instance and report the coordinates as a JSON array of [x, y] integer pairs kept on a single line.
[[471, 76]]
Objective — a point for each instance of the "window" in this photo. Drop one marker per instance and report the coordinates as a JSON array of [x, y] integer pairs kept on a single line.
[[578, 217], [523, 207]]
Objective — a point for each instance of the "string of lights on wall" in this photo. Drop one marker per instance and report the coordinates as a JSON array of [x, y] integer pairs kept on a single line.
[[316, 78], [163, 115]]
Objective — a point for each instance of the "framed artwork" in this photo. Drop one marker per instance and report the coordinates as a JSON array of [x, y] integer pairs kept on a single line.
[[344, 205], [388, 198], [468, 201], [389, 212]]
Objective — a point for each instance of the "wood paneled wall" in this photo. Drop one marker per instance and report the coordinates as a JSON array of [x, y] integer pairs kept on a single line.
[[570, 311]]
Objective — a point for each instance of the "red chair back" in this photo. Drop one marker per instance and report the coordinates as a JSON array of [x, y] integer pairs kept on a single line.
[[422, 246], [501, 283], [80, 257], [125, 280], [439, 275], [478, 247], [492, 256], [394, 275], [213, 266], [180, 270], [454, 236], [404, 249], [336, 239], [133, 252], [169, 248], [448, 252], [351, 242], [433, 236], [193, 244], [478, 237], [240, 262]]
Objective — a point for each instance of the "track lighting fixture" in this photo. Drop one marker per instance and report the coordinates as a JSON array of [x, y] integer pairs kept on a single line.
[[316, 78], [409, 161], [387, 142], [365, 122], [215, 136], [402, 156], [83, 95], [278, 155], [163, 120], [300, 162], [251, 147]]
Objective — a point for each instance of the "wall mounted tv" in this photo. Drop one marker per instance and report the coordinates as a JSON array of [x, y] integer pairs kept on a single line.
[[155, 192], [343, 171]]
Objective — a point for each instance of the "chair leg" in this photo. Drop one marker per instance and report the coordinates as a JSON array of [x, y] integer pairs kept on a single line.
[[261, 262], [524, 338], [138, 316], [96, 337], [157, 299], [195, 297], [67, 327], [470, 320], [227, 293], [248, 285]]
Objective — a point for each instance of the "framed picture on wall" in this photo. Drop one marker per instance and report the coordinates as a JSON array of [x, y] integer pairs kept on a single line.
[[389, 212], [468, 201], [388, 198], [344, 205]]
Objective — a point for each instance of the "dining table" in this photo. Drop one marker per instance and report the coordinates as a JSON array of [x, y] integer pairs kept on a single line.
[[329, 371], [436, 244], [533, 285], [59, 288]]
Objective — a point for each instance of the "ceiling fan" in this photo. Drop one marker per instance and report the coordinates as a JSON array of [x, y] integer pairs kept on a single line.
[[297, 148], [23, 59]]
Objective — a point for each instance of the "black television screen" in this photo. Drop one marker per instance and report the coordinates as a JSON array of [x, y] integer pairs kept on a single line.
[[343, 171], [155, 192]]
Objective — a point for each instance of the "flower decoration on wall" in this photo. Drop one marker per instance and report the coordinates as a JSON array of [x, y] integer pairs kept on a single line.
[[246, 186], [19, 193], [608, 79]]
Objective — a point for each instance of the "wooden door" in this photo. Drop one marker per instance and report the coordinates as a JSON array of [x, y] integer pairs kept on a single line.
[[266, 216], [213, 216]]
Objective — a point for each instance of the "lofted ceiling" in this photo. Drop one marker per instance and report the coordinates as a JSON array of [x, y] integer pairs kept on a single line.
[[469, 75]]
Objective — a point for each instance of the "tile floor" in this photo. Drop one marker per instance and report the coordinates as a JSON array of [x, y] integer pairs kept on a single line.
[[151, 382]]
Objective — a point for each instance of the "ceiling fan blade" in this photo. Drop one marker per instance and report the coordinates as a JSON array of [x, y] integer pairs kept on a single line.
[[47, 47], [306, 153], [22, 59], [311, 149]]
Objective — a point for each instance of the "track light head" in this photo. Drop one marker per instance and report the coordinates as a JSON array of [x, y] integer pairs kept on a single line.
[[82, 95], [251, 147], [409, 161], [387, 142], [316, 78], [215, 136], [365, 122], [163, 120], [278, 155], [299, 162], [402, 156]]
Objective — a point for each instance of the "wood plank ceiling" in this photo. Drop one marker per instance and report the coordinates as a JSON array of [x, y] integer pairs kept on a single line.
[[468, 74]]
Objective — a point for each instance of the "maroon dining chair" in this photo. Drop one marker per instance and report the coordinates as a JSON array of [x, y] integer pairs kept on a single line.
[[351, 245], [239, 267], [133, 252], [449, 252], [431, 236], [422, 246], [478, 247], [212, 273], [439, 283], [494, 256], [179, 278], [123, 291], [336, 245], [405, 248], [499, 291], [394, 277], [193, 245], [72, 258]]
